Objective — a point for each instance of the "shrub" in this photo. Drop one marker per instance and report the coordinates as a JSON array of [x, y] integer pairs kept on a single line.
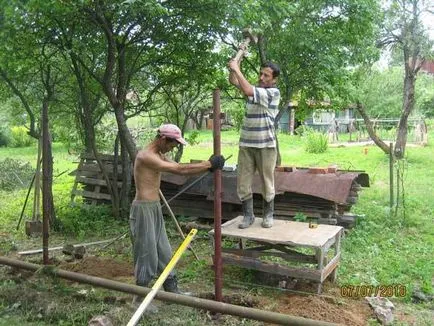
[[20, 137], [192, 138], [15, 174], [237, 113], [4, 139], [315, 142]]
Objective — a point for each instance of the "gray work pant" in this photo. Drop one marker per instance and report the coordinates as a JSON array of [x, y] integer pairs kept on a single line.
[[250, 159], [151, 247]]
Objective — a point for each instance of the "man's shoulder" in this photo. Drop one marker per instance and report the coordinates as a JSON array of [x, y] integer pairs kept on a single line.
[[273, 90], [146, 155]]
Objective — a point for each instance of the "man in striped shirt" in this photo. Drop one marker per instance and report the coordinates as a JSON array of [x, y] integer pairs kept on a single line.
[[257, 139]]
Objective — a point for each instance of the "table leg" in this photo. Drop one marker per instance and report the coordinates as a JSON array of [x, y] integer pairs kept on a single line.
[[337, 252]]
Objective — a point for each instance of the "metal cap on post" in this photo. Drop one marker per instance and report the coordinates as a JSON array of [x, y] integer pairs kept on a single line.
[[217, 199]]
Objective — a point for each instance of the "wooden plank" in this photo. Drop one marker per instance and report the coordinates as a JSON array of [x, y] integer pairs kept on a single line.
[[93, 181], [92, 174], [251, 263], [283, 232], [103, 157], [74, 188], [331, 266], [93, 167], [37, 251], [257, 254], [330, 242], [337, 252], [92, 195]]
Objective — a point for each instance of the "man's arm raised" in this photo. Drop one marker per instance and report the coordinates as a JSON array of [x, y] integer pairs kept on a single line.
[[243, 83]]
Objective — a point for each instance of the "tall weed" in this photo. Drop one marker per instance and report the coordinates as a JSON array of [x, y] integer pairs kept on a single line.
[[315, 142]]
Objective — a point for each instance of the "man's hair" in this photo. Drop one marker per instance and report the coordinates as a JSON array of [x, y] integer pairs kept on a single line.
[[274, 67]]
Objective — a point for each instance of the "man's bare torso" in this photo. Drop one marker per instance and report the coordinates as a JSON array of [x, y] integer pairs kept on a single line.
[[146, 178]]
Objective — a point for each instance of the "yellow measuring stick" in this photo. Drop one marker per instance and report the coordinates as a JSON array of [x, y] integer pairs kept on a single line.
[[159, 282]]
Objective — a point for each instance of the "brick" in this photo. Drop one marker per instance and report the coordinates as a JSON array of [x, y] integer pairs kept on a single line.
[[318, 170]]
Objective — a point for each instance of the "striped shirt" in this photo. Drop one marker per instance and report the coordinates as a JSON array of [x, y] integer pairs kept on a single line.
[[261, 110]]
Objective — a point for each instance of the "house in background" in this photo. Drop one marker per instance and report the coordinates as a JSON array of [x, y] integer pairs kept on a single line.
[[325, 120], [428, 67], [320, 119]]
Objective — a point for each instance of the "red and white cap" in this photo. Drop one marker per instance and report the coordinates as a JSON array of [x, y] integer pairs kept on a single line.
[[172, 131]]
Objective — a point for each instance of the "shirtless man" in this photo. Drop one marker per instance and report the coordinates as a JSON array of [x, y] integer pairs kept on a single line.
[[151, 247]]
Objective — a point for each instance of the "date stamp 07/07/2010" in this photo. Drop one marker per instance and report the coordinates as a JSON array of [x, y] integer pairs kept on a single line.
[[356, 291]]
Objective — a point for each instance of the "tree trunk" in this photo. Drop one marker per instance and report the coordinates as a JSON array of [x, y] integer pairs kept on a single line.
[[125, 198], [407, 108], [46, 182], [370, 129], [33, 131], [261, 48], [124, 133]]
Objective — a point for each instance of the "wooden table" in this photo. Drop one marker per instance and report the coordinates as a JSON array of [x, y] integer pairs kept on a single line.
[[283, 240]]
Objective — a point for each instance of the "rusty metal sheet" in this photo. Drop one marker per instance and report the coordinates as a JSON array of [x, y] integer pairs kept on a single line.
[[332, 186]]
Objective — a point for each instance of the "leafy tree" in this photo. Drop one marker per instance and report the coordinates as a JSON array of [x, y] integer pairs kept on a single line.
[[314, 43], [403, 32], [31, 69], [425, 86], [119, 45]]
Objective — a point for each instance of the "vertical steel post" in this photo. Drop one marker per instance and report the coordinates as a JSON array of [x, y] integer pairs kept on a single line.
[[46, 205], [217, 199], [391, 176]]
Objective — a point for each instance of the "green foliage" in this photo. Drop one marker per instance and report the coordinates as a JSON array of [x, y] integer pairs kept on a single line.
[[144, 137], [300, 217], [84, 221], [4, 138], [15, 174], [237, 112], [382, 249], [20, 137], [70, 137], [425, 95], [314, 47], [193, 138], [194, 270], [315, 142]]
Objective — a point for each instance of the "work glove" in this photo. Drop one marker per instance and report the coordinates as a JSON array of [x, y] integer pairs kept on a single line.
[[217, 162]]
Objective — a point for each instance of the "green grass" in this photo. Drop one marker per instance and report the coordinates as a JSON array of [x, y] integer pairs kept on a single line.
[[382, 249]]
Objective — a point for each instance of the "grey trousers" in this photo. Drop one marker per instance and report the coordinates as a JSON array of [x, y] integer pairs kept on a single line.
[[151, 247], [251, 159]]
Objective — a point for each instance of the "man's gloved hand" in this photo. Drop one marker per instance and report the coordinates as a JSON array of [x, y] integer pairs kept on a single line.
[[217, 162]]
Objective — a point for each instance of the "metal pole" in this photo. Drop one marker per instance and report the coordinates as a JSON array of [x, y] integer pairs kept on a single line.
[[225, 308], [159, 282], [36, 216], [391, 176], [217, 200], [187, 187], [46, 204], [25, 201]]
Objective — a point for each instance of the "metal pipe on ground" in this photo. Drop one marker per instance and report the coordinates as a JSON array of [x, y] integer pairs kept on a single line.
[[225, 308]]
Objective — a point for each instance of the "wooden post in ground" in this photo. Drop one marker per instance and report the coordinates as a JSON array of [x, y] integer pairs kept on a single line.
[[391, 161]]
